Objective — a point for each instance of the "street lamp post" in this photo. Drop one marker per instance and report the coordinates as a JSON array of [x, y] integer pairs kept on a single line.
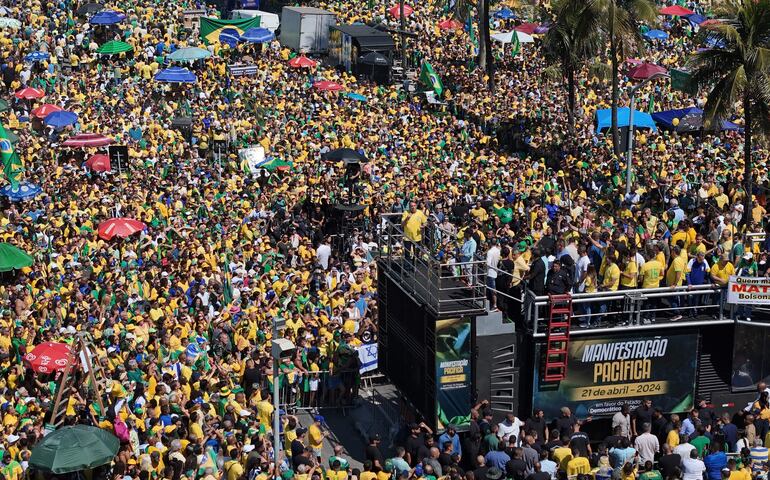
[[629, 151]]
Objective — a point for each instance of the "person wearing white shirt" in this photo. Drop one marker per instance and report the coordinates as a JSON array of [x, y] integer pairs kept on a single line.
[[684, 448], [493, 259], [692, 467], [323, 253], [509, 428], [647, 444], [761, 387]]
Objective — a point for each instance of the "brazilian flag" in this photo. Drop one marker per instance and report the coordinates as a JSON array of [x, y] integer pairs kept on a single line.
[[211, 28], [11, 163], [430, 78]]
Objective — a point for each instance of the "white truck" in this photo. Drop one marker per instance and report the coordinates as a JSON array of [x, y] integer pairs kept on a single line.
[[306, 29], [266, 19]]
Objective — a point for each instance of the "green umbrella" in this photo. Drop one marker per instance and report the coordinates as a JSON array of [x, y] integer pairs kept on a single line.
[[113, 47], [74, 448], [6, 22], [13, 258]]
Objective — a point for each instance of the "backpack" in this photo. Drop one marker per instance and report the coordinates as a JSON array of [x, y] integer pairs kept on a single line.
[[121, 430]]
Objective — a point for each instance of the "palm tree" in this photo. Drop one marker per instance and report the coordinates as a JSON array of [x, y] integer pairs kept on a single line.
[[738, 72], [573, 38], [485, 42], [622, 17]]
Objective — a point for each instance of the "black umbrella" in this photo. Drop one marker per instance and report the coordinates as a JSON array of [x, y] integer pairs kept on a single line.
[[374, 59], [89, 8], [346, 155]]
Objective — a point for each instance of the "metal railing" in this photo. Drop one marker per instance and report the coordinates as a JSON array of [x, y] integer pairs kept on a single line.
[[427, 271], [636, 309]]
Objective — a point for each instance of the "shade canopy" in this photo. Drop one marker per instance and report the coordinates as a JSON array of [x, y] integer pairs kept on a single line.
[[327, 86], [48, 357], [29, 93], [87, 140], [396, 11], [37, 56], [645, 71], [301, 61], [13, 258], [176, 75], [107, 17], [528, 28], [450, 24], [74, 448], [6, 22], [89, 8], [189, 54], [229, 36], [374, 59], [504, 13], [61, 119], [99, 163], [347, 155], [689, 120], [22, 191], [257, 35], [114, 47], [507, 37], [356, 96], [120, 227], [641, 119], [45, 109], [656, 35], [676, 10]]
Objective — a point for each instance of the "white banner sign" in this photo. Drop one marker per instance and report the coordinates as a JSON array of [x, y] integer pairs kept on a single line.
[[748, 291], [368, 356]]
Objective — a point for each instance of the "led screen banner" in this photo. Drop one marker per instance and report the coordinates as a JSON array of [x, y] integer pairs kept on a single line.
[[604, 373], [453, 372]]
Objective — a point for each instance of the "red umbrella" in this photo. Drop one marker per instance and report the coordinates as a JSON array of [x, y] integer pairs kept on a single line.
[[120, 227], [87, 140], [29, 93], [99, 163], [49, 357], [396, 11], [645, 70], [301, 61], [327, 86], [528, 28], [43, 110], [450, 24], [676, 10]]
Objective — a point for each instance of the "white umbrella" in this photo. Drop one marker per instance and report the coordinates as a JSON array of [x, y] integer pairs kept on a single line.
[[6, 22], [507, 37]]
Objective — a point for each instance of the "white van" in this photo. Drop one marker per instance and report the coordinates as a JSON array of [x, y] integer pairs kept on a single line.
[[266, 20]]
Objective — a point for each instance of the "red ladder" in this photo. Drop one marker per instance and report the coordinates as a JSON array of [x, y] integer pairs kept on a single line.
[[559, 317]]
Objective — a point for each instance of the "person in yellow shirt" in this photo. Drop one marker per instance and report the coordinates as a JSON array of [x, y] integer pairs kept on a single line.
[[412, 223], [233, 468], [675, 278], [315, 436], [578, 464], [611, 279], [721, 271], [629, 275]]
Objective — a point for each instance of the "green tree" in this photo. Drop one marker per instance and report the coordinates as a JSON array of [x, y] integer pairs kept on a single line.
[[737, 72], [574, 37], [621, 24]]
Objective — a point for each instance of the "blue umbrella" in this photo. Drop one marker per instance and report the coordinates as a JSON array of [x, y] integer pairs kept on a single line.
[[656, 35], [230, 36], [176, 75], [505, 14], [37, 56], [107, 17], [60, 119], [257, 35], [23, 191], [356, 96]]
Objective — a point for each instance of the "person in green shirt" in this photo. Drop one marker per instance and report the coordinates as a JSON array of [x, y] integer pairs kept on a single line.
[[701, 441], [649, 473]]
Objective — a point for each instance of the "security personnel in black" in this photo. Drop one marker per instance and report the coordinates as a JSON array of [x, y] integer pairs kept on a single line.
[[558, 281]]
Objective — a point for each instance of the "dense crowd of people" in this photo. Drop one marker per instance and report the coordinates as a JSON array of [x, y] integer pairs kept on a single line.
[[181, 314]]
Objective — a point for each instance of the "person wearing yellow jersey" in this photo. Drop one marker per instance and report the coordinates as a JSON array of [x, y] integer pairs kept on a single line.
[[412, 223], [315, 436], [675, 276], [628, 277]]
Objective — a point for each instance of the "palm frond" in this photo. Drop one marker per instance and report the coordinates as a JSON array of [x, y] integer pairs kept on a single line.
[[722, 98]]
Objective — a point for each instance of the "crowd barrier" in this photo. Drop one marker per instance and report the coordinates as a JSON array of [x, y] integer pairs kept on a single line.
[[634, 309]]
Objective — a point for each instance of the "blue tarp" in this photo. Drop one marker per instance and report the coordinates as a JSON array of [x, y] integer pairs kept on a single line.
[[176, 75], [666, 118], [641, 119], [107, 17]]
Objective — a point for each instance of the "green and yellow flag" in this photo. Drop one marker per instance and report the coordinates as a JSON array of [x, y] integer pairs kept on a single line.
[[515, 44], [210, 28], [11, 162], [430, 78]]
